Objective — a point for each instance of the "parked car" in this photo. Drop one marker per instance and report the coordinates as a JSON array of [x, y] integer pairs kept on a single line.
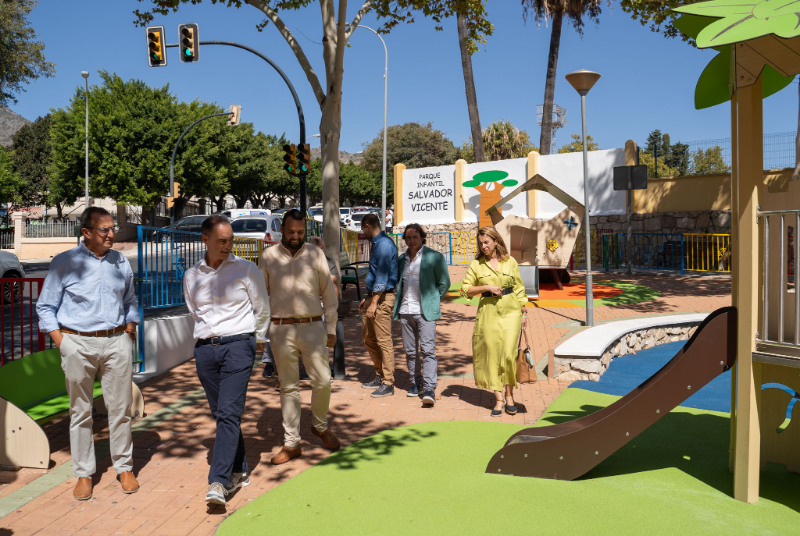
[[353, 222], [11, 268], [344, 212], [192, 224], [316, 213], [234, 213], [266, 228], [280, 211]]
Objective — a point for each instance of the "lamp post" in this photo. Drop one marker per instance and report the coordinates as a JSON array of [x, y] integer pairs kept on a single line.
[[583, 81], [85, 75], [311, 136], [385, 95]]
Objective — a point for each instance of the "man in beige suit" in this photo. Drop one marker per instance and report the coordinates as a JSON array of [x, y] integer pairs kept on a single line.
[[299, 284]]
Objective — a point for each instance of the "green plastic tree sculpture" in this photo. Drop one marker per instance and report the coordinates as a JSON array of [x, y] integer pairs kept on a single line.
[[486, 182]]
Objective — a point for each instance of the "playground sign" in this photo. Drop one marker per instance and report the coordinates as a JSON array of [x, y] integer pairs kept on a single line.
[[429, 194]]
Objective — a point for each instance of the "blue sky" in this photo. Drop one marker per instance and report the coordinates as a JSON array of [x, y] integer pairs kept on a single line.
[[647, 81]]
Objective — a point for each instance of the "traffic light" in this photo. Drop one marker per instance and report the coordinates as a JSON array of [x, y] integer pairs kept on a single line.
[[171, 200], [236, 114], [189, 42], [156, 47], [290, 159], [303, 158]]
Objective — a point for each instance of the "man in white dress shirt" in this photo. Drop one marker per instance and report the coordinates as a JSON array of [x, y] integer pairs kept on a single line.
[[227, 297]]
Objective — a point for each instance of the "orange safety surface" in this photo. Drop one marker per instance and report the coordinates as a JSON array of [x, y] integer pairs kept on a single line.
[[576, 291]]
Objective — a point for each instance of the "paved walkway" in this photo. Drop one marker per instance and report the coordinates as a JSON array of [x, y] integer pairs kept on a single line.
[[173, 443]]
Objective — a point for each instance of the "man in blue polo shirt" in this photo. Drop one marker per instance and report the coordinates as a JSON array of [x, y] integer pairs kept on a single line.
[[378, 306]]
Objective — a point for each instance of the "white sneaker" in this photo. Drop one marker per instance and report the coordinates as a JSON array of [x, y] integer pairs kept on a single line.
[[238, 480], [216, 494]]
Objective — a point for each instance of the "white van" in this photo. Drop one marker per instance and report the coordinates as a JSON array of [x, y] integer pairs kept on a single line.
[[234, 213]]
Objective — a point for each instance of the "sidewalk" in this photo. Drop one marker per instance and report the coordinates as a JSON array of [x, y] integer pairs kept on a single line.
[[172, 446]]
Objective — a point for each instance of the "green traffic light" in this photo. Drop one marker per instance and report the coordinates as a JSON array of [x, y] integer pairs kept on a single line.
[[188, 51]]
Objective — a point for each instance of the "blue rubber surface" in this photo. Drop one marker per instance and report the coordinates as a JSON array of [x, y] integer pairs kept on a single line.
[[629, 371]]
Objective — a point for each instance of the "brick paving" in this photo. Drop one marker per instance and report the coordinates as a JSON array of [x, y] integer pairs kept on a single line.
[[171, 459]]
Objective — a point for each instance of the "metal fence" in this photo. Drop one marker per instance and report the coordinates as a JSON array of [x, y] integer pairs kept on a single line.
[[7, 238], [50, 230], [649, 251], [714, 156], [19, 323], [464, 247], [707, 252], [578, 256], [348, 242]]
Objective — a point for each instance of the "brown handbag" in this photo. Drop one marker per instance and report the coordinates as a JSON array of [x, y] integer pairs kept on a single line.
[[526, 371]]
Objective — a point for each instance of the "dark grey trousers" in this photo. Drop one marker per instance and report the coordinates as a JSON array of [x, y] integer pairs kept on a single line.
[[418, 332]]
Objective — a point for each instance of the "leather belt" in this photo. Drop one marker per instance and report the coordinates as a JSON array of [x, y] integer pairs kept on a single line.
[[216, 341], [507, 290], [99, 333], [281, 321]]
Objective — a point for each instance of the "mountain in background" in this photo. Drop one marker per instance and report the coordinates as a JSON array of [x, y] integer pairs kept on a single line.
[[10, 123], [344, 156]]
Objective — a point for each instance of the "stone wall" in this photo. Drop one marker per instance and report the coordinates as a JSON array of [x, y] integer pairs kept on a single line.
[[460, 227], [705, 221], [581, 368]]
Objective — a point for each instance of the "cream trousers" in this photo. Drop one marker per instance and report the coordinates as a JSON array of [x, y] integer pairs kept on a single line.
[[111, 359]]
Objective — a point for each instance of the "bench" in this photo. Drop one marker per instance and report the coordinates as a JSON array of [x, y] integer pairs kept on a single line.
[[32, 392], [359, 271]]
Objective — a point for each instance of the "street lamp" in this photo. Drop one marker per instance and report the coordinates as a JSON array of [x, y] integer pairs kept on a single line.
[[583, 81], [85, 75], [385, 94], [311, 136]]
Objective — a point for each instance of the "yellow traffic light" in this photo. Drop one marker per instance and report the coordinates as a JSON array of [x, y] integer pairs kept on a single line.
[[171, 200], [156, 49], [303, 158], [236, 114], [291, 160]]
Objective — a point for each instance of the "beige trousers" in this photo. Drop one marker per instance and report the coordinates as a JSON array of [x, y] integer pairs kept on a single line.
[[111, 359], [290, 343], [377, 336]]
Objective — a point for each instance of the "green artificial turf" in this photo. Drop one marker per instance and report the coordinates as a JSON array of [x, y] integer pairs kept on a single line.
[[429, 479]]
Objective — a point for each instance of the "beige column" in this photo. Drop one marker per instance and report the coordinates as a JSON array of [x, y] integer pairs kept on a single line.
[[398, 193], [19, 231], [747, 175], [533, 195], [461, 175]]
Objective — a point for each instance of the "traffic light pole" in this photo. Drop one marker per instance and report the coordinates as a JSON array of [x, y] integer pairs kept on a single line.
[[172, 166], [300, 116]]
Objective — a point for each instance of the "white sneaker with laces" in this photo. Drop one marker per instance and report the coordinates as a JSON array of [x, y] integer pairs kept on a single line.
[[238, 480], [216, 494]]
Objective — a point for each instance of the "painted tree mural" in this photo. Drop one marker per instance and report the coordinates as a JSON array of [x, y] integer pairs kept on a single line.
[[489, 185]]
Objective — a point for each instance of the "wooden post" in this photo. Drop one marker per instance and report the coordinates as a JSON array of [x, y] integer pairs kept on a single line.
[[461, 175], [398, 193], [747, 176], [533, 195]]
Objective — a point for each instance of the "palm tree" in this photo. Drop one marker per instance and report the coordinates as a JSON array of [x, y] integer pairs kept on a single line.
[[503, 141], [469, 84], [556, 10]]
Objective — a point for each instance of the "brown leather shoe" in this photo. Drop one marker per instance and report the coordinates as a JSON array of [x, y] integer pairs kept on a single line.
[[328, 438], [286, 454], [83, 489], [129, 483]]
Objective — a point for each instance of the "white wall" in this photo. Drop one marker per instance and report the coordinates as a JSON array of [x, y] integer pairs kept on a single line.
[[566, 171], [168, 342]]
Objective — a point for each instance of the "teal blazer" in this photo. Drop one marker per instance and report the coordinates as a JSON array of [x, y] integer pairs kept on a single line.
[[434, 282]]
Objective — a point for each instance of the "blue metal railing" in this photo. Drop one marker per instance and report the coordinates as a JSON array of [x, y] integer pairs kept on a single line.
[[649, 251], [441, 242]]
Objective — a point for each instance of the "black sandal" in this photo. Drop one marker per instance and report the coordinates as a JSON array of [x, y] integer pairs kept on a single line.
[[511, 410], [497, 412]]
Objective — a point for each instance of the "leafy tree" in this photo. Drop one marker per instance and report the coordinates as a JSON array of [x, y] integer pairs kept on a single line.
[[32, 155], [412, 144], [655, 143], [503, 141], [679, 158], [555, 11], [10, 181], [336, 32], [466, 152], [356, 184], [709, 161], [576, 145], [21, 55], [663, 170]]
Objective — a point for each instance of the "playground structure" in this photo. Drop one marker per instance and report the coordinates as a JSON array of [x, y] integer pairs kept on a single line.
[[759, 54], [547, 244]]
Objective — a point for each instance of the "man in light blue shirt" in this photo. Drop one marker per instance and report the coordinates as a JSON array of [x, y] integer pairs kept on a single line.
[[89, 308]]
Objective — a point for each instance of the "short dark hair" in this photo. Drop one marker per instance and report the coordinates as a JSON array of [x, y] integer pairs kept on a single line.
[[372, 220], [417, 227], [211, 222], [89, 213], [295, 214]]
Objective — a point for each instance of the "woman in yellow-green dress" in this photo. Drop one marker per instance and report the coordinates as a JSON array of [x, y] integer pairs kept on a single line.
[[495, 277]]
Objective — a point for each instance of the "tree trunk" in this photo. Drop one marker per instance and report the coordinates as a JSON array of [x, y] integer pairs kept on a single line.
[[546, 138], [469, 85], [796, 174], [488, 199], [240, 201]]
